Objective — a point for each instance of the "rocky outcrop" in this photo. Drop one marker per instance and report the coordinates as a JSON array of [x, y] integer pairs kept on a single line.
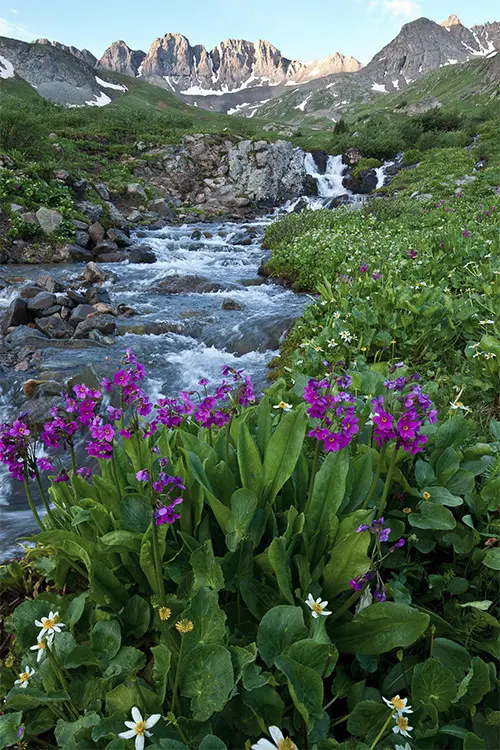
[[81, 54], [232, 177], [124, 60]]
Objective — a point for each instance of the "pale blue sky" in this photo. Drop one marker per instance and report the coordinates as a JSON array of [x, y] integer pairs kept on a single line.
[[301, 30]]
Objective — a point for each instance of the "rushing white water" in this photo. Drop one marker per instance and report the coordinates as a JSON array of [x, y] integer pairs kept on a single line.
[[330, 183]]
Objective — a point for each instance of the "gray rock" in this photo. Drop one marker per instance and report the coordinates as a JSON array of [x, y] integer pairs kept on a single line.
[[49, 220], [101, 338], [118, 257], [23, 336], [29, 217], [81, 225], [92, 273], [231, 304], [80, 313], [30, 290], [134, 216], [118, 236], [92, 210], [42, 301], [162, 207], [16, 314], [64, 300], [102, 191], [141, 254], [116, 216], [190, 284], [16, 208], [54, 327], [48, 283], [95, 294], [76, 297], [102, 323], [136, 195], [82, 239], [76, 253], [106, 246], [96, 232], [51, 311]]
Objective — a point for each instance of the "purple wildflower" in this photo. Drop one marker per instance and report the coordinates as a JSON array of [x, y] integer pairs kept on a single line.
[[142, 475]]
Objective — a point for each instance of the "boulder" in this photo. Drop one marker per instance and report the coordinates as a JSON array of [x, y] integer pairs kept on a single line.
[[54, 327], [92, 210], [106, 246], [162, 207], [76, 297], [81, 312], [116, 216], [82, 239], [49, 220], [102, 191], [134, 216], [30, 290], [76, 253], [16, 314], [118, 257], [96, 232], [141, 254], [136, 195], [95, 294], [92, 273], [81, 225], [352, 157], [190, 284], [231, 304], [29, 217], [118, 236], [16, 208], [102, 323], [51, 311], [48, 283], [42, 301], [23, 336], [320, 159]]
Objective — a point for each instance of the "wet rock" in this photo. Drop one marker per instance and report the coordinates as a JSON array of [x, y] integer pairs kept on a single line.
[[103, 323], [92, 273], [30, 290], [96, 294], [106, 246], [152, 328], [96, 232], [82, 239], [320, 159], [105, 309], [118, 257], [41, 388], [340, 200], [51, 311], [231, 304], [24, 336], [126, 311], [49, 220], [196, 234], [253, 282], [17, 314], [64, 300], [76, 297], [118, 236], [159, 224], [310, 185], [142, 254], [54, 327], [352, 157], [162, 207], [101, 338], [80, 313], [362, 185], [42, 301], [92, 210], [246, 237], [47, 282], [76, 253], [301, 205], [190, 284], [134, 216]]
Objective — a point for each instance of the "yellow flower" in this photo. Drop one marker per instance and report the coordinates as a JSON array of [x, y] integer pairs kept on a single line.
[[363, 349], [184, 626], [164, 613], [407, 510], [426, 495], [10, 661]]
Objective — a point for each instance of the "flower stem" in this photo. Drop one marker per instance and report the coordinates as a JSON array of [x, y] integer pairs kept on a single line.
[[30, 499], [57, 669], [158, 564], [228, 435], [314, 471], [352, 600], [374, 483], [73, 459], [44, 497], [177, 675], [379, 735], [387, 485]]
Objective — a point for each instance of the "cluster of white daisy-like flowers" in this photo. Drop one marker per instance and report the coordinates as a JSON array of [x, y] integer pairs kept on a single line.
[[49, 627], [399, 708]]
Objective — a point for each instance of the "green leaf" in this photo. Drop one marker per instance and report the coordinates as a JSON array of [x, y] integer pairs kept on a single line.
[[209, 620], [207, 678], [447, 465], [79, 657], [492, 558], [108, 727], [424, 473], [124, 541], [122, 698], [432, 516], [280, 563], [76, 608], [128, 660], [328, 494], [452, 432], [305, 686], [491, 492], [442, 496], [473, 742], [206, 570], [433, 684], [210, 742], [452, 656], [312, 654], [221, 512], [9, 726], [243, 506], [264, 425], [367, 719], [478, 685], [249, 462], [278, 629], [162, 658], [69, 733], [380, 628], [136, 616], [106, 638], [348, 559], [23, 699], [283, 451], [135, 515], [265, 703]]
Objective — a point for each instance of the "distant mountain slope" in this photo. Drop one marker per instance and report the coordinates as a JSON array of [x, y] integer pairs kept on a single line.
[[81, 54]]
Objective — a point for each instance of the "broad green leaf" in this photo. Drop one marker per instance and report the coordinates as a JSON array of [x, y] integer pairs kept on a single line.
[[206, 570], [312, 654], [381, 628], [278, 629], [348, 559], [452, 655], [75, 609], [136, 515], [432, 516], [328, 494], [128, 660], [221, 512], [433, 684], [447, 465], [207, 678], [124, 541], [210, 742], [243, 506], [367, 719], [305, 686], [479, 684], [283, 451], [209, 621], [442, 496], [106, 638], [22, 620], [69, 733], [473, 742], [79, 657], [108, 727], [264, 425], [24, 699], [424, 473], [162, 657], [136, 616], [249, 462], [9, 726], [492, 558], [266, 703], [280, 563], [147, 563], [491, 492]]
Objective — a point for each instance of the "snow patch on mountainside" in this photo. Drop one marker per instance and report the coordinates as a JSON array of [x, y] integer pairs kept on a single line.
[[6, 68], [108, 85], [100, 100]]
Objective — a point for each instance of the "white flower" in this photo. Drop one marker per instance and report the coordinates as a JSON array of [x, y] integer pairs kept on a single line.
[[402, 726], [490, 355], [400, 747], [280, 741], [24, 677], [459, 405], [399, 704], [283, 405], [138, 728], [49, 625], [336, 315], [317, 607], [487, 322], [40, 646], [346, 336]]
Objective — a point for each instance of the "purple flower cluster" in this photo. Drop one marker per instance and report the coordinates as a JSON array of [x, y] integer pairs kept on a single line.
[[14, 442], [410, 409], [334, 409], [360, 582], [166, 513], [377, 528], [127, 379]]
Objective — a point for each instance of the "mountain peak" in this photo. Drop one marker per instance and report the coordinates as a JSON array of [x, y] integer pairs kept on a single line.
[[452, 20]]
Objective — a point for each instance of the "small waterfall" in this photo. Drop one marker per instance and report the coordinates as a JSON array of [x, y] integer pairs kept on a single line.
[[330, 183]]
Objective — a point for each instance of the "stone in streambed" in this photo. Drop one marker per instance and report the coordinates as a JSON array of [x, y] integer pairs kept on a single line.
[[54, 327], [118, 257], [102, 323], [95, 294], [96, 232], [142, 254], [76, 253], [80, 313], [92, 273], [17, 314], [190, 284], [231, 304], [48, 283], [106, 246], [119, 236], [42, 301]]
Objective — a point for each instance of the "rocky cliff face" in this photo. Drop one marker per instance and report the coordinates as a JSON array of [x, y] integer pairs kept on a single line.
[[81, 54], [121, 58], [232, 66], [56, 74], [480, 40]]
